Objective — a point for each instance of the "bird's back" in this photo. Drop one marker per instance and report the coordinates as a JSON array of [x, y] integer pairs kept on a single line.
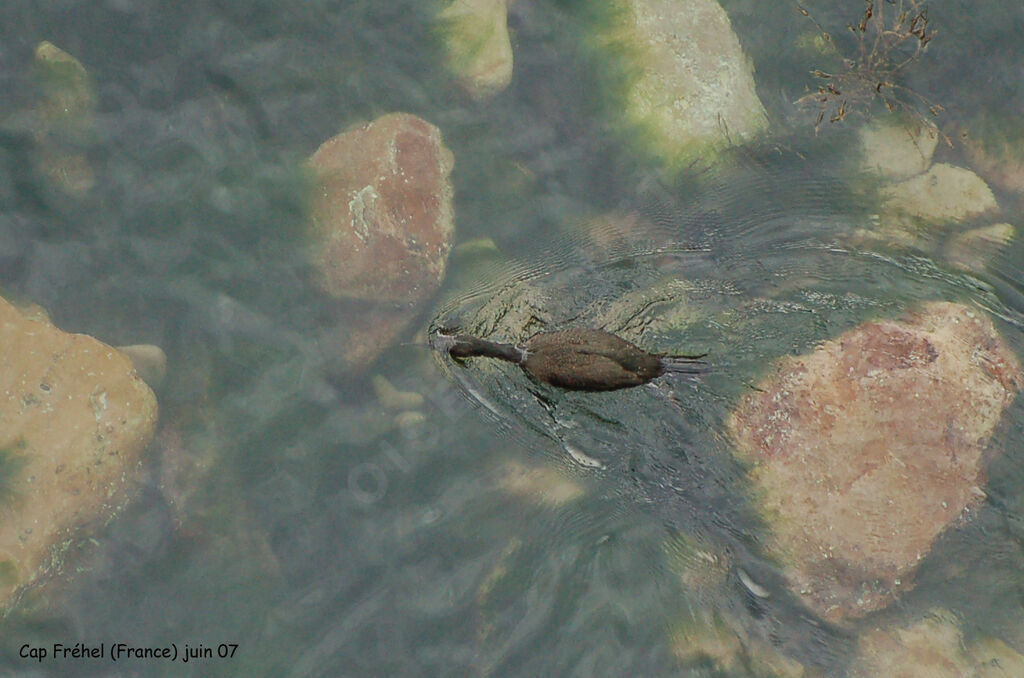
[[588, 359]]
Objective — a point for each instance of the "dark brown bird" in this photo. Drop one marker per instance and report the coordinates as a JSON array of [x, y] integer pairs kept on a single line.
[[577, 359]]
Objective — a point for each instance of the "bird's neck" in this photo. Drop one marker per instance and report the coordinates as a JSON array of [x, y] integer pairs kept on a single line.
[[467, 346]]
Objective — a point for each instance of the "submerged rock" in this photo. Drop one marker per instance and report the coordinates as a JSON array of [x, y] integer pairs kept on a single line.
[[393, 399], [710, 635], [149, 361], [382, 210], [867, 448], [73, 425], [67, 86], [473, 261], [475, 37], [692, 89], [712, 639], [208, 507], [933, 647], [360, 334], [994, 144], [382, 228], [943, 193], [64, 123], [897, 148], [920, 211], [973, 250], [542, 485]]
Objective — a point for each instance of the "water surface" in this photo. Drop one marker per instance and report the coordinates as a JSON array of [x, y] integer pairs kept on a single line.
[[325, 540]]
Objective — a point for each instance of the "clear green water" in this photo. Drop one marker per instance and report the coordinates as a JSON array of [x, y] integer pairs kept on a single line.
[[324, 541]]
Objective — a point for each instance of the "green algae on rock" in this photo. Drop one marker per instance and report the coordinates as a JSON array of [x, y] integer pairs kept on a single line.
[[478, 50], [689, 91], [63, 121], [866, 449], [69, 99]]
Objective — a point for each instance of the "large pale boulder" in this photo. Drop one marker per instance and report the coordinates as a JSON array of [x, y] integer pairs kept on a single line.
[[74, 420], [692, 92], [864, 450]]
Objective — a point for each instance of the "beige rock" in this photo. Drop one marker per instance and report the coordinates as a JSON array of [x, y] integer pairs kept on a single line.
[[410, 419], [933, 647], [715, 639], [943, 193], [69, 171], [542, 484], [476, 40], [995, 659], [393, 399], [897, 148], [68, 93], [32, 311], [929, 648], [707, 640], [382, 210], [74, 420], [499, 572], [694, 90], [867, 448]]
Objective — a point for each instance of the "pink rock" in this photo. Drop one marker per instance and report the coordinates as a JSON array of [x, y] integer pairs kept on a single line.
[[382, 210], [867, 448]]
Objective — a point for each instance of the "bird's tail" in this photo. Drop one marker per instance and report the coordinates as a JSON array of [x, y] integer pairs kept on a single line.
[[686, 364]]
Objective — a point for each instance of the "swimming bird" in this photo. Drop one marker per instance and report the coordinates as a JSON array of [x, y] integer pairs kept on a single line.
[[576, 359]]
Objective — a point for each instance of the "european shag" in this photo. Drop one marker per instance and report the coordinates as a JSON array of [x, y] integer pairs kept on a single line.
[[578, 359]]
